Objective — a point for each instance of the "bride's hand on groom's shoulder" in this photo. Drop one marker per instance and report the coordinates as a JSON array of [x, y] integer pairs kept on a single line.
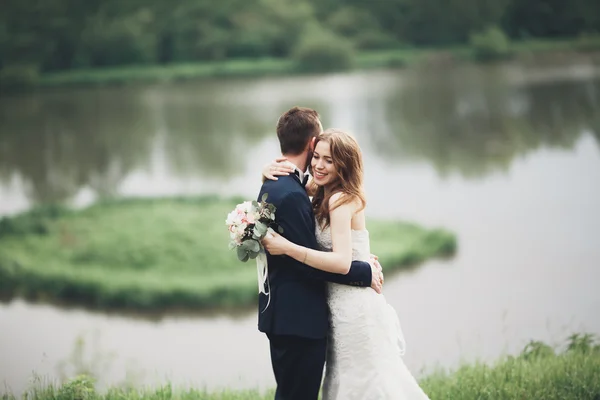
[[376, 274], [279, 167]]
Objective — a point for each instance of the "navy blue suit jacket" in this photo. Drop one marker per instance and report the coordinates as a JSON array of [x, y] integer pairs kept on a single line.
[[298, 304]]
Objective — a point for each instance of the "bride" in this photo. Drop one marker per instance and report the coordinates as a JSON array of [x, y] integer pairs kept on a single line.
[[365, 343]]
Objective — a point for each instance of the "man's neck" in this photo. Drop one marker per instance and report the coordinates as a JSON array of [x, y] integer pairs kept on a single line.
[[299, 161]]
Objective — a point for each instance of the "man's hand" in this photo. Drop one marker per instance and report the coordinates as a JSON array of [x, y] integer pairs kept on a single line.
[[376, 274]]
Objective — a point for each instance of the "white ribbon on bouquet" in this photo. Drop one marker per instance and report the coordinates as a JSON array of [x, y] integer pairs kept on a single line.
[[262, 268]]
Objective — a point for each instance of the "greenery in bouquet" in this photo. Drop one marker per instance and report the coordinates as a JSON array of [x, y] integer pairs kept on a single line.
[[248, 224]]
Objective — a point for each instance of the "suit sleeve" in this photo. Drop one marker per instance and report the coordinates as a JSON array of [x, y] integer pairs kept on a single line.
[[295, 220]]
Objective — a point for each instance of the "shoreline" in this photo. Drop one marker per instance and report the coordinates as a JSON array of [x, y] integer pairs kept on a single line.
[[265, 67]]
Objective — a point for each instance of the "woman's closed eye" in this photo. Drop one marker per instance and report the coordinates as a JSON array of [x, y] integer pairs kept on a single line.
[[327, 160]]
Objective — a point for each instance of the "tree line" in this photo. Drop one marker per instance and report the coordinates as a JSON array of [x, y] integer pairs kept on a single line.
[[50, 35]]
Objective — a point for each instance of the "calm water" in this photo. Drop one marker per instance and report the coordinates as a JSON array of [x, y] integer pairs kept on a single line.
[[508, 157]]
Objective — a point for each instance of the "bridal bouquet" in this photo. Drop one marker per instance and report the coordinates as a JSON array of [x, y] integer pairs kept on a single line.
[[248, 224]]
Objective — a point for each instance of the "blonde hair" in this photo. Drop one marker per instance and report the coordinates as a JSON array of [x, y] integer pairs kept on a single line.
[[347, 159]]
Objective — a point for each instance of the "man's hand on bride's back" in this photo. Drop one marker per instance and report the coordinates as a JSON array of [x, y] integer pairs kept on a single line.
[[376, 274], [279, 167]]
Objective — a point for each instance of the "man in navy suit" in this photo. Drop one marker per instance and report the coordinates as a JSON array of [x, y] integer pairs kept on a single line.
[[296, 317]]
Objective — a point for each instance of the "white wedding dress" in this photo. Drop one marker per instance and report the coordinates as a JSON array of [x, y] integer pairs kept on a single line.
[[366, 343]]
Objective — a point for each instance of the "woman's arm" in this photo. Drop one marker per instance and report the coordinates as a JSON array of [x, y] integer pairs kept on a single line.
[[279, 167], [337, 261]]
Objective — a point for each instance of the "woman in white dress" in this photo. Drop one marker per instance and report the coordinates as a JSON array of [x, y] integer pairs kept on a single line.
[[366, 343]]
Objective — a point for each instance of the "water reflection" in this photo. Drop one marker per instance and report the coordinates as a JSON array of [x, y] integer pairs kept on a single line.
[[471, 120], [475, 121], [60, 142], [209, 138]]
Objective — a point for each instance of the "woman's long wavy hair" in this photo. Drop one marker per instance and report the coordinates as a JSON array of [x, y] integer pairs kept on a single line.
[[347, 159]]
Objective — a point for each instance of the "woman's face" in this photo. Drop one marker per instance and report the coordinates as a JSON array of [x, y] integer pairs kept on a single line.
[[324, 171]]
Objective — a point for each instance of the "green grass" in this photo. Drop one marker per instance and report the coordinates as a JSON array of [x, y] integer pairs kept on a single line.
[[157, 254], [83, 388], [273, 66], [538, 372]]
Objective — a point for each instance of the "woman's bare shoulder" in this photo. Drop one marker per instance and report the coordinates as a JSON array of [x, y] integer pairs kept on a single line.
[[345, 200]]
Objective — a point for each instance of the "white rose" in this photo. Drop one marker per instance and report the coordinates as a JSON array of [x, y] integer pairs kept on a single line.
[[231, 218], [252, 218]]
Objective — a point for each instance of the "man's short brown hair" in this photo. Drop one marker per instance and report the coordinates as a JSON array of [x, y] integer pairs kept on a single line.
[[295, 128]]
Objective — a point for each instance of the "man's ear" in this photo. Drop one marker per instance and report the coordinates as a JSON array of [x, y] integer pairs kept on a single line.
[[312, 144]]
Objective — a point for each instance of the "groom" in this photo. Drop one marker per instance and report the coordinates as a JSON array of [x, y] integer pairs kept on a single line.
[[296, 317]]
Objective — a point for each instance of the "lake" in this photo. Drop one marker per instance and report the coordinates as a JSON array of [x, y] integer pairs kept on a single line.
[[506, 156]]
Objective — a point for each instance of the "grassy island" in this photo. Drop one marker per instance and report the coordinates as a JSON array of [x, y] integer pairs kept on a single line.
[[157, 254]]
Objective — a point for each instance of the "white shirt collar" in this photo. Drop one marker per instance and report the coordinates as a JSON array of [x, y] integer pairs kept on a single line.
[[300, 173]]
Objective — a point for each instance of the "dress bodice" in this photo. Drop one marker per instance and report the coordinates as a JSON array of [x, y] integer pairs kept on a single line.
[[361, 249]]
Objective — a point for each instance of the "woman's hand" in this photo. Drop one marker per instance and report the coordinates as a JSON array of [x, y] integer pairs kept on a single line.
[[281, 166], [276, 244]]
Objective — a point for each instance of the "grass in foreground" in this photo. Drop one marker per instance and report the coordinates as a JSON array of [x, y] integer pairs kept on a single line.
[[157, 254], [539, 372]]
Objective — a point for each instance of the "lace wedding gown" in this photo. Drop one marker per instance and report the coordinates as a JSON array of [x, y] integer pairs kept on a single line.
[[366, 342]]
